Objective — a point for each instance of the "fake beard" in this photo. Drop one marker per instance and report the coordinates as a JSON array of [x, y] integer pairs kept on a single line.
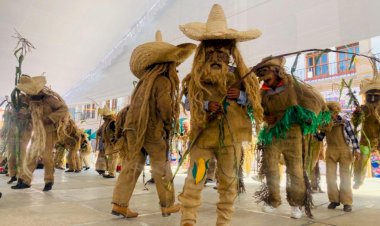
[[216, 76], [374, 109]]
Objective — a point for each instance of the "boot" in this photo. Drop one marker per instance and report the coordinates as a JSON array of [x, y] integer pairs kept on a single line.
[[69, 171], [125, 211], [77, 171], [20, 185], [48, 186], [108, 176], [14, 178], [101, 172], [333, 205], [188, 224], [347, 208], [150, 181], [296, 212], [166, 211]]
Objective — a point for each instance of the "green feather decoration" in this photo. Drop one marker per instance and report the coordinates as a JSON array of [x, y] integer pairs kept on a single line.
[[307, 120]]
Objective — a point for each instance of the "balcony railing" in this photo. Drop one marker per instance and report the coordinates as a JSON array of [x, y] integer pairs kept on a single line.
[[330, 70]]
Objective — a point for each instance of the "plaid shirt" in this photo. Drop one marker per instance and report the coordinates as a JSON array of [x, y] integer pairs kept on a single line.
[[349, 134]]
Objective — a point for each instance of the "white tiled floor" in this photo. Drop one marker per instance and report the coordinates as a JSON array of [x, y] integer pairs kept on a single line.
[[85, 199]]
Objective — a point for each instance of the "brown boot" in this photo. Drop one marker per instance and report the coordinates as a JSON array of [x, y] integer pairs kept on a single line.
[[166, 211], [188, 224], [125, 211]]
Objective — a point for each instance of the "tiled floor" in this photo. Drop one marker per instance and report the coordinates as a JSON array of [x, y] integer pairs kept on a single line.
[[85, 199]]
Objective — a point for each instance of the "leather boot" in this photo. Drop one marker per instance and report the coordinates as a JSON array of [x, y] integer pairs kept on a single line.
[[166, 211], [14, 178], [48, 186], [20, 185], [125, 211]]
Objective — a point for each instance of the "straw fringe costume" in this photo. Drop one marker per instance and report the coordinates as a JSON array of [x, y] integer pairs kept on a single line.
[[23, 120], [106, 133], [48, 110], [296, 109], [69, 136], [369, 117], [217, 134], [60, 156], [339, 135], [85, 151], [149, 121]]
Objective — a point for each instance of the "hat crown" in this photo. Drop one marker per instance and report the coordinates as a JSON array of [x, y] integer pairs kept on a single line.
[[216, 19], [158, 36]]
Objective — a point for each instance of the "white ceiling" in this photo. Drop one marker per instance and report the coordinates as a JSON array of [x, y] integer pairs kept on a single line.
[[84, 46]]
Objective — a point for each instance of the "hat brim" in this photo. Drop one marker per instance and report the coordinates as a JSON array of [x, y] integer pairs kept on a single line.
[[31, 85], [367, 85], [197, 31], [270, 61], [151, 53]]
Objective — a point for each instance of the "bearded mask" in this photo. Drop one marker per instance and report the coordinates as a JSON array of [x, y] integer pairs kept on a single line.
[[217, 57]]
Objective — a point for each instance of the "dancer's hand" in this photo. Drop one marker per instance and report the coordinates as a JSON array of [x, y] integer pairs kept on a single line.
[[213, 106], [233, 93]]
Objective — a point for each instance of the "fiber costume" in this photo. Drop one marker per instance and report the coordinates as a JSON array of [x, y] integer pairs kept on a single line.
[[368, 116], [218, 102], [292, 109], [24, 122], [48, 111], [152, 113], [106, 133], [339, 135]]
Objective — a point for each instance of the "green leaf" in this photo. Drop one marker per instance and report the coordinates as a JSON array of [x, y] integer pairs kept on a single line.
[[341, 89], [294, 67], [194, 171], [21, 59], [351, 62], [351, 99], [349, 83]]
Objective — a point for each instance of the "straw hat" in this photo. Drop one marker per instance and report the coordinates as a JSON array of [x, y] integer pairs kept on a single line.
[[368, 84], [334, 107], [151, 53], [31, 85], [269, 61], [105, 111], [216, 28]]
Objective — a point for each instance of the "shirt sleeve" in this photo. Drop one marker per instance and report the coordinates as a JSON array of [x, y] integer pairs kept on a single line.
[[352, 136], [186, 103], [242, 99]]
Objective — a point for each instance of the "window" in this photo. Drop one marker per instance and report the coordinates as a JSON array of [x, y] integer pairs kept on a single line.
[[113, 104], [89, 111], [344, 59], [317, 64]]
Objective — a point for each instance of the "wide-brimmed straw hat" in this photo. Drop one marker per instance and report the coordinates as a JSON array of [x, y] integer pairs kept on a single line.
[[369, 84], [105, 111], [31, 85], [156, 52], [270, 61], [216, 28], [334, 107]]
